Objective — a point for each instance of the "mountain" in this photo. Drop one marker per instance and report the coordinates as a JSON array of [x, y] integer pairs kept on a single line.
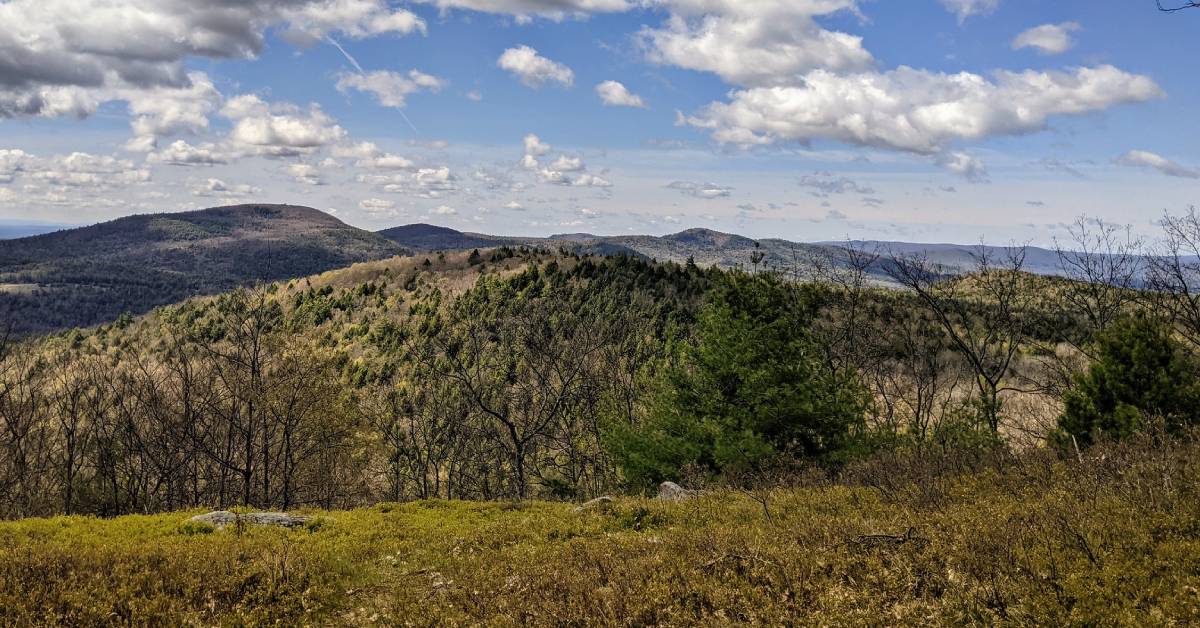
[[422, 237], [89, 275], [714, 248], [704, 246]]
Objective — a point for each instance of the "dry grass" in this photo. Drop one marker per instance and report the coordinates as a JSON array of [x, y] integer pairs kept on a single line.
[[1111, 540]]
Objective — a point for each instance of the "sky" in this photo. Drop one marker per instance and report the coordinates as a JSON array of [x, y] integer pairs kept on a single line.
[[915, 120]]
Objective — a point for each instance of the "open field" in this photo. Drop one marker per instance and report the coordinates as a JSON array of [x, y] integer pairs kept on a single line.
[[1113, 539]]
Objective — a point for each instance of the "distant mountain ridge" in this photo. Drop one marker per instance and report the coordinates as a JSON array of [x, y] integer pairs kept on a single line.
[[90, 275], [726, 250]]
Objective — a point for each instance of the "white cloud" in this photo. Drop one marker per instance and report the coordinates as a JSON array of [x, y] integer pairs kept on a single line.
[[279, 129], [916, 110], [534, 146], [766, 42], [566, 170], [567, 164], [311, 22], [307, 174], [615, 94], [64, 57], [433, 182], [966, 8], [163, 111], [81, 170], [475, 96], [1047, 39], [968, 166], [376, 204], [443, 210], [706, 191], [181, 153], [513, 205], [824, 184], [390, 88], [12, 161], [217, 187], [1146, 159], [533, 69]]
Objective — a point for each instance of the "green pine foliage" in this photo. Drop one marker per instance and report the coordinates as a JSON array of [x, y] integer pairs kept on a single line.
[[1141, 374], [750, 388]]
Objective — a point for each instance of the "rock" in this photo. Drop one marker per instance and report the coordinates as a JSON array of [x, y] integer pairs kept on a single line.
[[599, 502], [222, 518], [670, 491]]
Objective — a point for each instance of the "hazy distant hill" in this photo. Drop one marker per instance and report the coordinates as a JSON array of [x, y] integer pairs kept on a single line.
[[13, 229], [93, 274], [422, 237], [708, 247], [704, 246]]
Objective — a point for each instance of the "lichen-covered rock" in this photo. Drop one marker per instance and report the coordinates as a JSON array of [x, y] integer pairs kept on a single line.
[[222, 518], [670, 491]]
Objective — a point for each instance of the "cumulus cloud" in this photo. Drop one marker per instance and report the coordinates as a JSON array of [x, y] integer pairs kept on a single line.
[[430, 182], [64, 57], [390, 88], [181, 153], [969, 167], [916, 110], [12, 161], [566, 170], [1146, 159], [443, 210], [707, 191], [1047, 39], [824, 184], [310, 22], [534, 70], [376, 204], [768, 42], [307, 174], [217, 187], [964, 9], [163, 111], [279, 129], [614, 94], [534, 146], [77, 170]]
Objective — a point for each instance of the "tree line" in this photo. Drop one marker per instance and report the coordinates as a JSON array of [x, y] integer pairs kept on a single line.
[[515, 374]]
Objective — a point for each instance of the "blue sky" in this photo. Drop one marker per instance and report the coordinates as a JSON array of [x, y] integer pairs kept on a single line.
[[923, 120]]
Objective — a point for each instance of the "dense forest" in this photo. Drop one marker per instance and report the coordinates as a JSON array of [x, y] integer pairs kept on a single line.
[[525, 373]]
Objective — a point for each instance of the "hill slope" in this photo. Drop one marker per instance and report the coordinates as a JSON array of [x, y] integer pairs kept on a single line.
[[85, 276]]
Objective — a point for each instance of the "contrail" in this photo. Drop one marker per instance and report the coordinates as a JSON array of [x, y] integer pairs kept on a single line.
[[349, 58], [362, 72]]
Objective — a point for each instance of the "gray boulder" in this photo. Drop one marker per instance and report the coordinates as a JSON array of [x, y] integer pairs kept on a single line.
[[672, 492], [222, 518]]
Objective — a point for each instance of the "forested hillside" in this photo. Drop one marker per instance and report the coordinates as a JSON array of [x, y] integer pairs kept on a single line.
[[86, 276], [523, 373]]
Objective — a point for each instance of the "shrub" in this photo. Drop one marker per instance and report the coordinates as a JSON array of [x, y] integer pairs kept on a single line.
[[1140, 373], [752, 386]]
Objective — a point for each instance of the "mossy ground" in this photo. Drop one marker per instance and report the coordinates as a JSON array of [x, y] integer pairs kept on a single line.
[[1114, 540]]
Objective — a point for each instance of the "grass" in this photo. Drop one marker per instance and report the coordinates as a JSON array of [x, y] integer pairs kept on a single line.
[[1113, 539]]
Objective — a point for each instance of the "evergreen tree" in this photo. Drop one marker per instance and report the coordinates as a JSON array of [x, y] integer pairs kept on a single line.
[[750, 387], [1141, 373]]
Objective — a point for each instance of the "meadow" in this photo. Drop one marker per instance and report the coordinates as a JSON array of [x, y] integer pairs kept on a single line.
[[1109, 538]]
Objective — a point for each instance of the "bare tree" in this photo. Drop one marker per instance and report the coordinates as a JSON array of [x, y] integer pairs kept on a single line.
[[1103, 262], [981, 312], [1174, 274]]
